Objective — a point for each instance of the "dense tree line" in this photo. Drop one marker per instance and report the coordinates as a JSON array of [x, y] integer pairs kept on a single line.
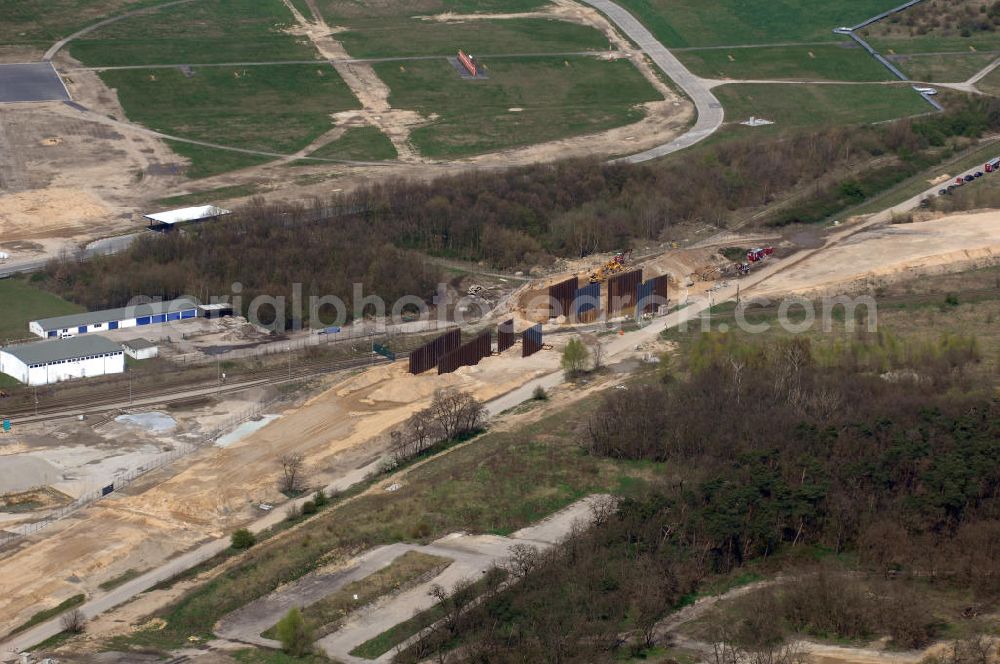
[[518, 217], [879, 447]]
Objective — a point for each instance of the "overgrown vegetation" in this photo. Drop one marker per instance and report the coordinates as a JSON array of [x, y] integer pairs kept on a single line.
[[878, 447]]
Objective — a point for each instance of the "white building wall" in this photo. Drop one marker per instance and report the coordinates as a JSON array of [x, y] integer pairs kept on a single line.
[[70, 369], [143, 353], [14, 367]]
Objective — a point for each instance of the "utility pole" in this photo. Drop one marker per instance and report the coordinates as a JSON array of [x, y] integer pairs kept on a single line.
[[129, 386], [36, 401], [289, 360]]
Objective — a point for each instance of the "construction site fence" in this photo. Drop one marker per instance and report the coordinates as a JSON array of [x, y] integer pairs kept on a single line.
[[123, 479], [531, 340], [370, 334], [427, 356], [506, 337], [468, 354], [622, 291]]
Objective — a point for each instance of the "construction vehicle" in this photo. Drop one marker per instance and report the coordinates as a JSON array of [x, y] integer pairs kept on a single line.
[[758, 254], [612, 267]]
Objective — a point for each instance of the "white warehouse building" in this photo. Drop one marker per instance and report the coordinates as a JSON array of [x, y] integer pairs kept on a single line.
[[136, 315], [48, 362]]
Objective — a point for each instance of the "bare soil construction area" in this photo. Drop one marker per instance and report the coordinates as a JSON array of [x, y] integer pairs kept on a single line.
[[887, 253], [339, 431], [65, 178]]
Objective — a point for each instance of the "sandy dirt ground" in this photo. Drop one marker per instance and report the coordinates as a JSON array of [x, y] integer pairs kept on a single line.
[[65, 178], [883, 254], [342, 429]]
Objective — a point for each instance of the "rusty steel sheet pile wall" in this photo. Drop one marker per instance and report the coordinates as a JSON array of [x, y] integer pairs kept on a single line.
[[561, 297], [651, 294], [468, 354], [587, 303], [427, 356], [531, 340], [506, 337], [621, 291]]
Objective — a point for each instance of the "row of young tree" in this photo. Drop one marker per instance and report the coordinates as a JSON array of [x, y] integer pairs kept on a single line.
[[521, 217], [766, 449]]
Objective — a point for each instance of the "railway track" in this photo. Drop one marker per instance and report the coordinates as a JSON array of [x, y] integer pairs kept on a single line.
[[119, 396]]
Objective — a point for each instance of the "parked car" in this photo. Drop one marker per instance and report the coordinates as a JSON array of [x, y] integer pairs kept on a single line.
[[969, 178], [942, 192], [978, 174]]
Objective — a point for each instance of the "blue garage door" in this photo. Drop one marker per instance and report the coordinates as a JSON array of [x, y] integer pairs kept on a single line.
[[113, 325], [174, 316], [82, 329], [189, 313], [52, 333], [143, 320], [159, 318]]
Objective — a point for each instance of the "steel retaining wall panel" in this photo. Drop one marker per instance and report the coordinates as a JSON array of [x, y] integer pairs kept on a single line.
[[468, 354], [506, 337], [651, 294], [427, 356], [587, 303], [561, 297], [531, 340], [621, 291]]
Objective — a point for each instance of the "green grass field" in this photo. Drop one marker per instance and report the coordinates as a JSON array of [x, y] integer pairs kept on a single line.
[[197, 33], [834, 62], [246, 108], [559, 97], [346, 9], [732, 22], [357, 143], [43, 23], [795, 105], [373, 38], [945, 68], [932, 44], [990, 84], [23, 303]]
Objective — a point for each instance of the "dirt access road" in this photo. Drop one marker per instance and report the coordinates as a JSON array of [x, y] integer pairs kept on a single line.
[[471, 556]]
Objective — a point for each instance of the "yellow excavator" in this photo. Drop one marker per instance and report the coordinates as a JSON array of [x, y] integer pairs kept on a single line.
[[612, 267]]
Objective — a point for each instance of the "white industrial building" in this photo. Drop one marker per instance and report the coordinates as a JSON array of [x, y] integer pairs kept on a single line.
[[140, 349], [48, 362], [136, 315]]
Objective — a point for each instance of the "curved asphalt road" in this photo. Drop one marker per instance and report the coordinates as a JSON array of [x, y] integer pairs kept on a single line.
[[710, 113]]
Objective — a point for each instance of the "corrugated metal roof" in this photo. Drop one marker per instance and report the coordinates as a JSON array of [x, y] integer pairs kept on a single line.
[[108, 315], [44, 352], [182, 215]]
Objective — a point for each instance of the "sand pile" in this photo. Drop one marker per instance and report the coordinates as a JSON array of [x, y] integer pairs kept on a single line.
[[48, 212]]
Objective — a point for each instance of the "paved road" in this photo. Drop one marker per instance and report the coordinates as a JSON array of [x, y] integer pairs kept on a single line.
[[710, 112], [102, 247]]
